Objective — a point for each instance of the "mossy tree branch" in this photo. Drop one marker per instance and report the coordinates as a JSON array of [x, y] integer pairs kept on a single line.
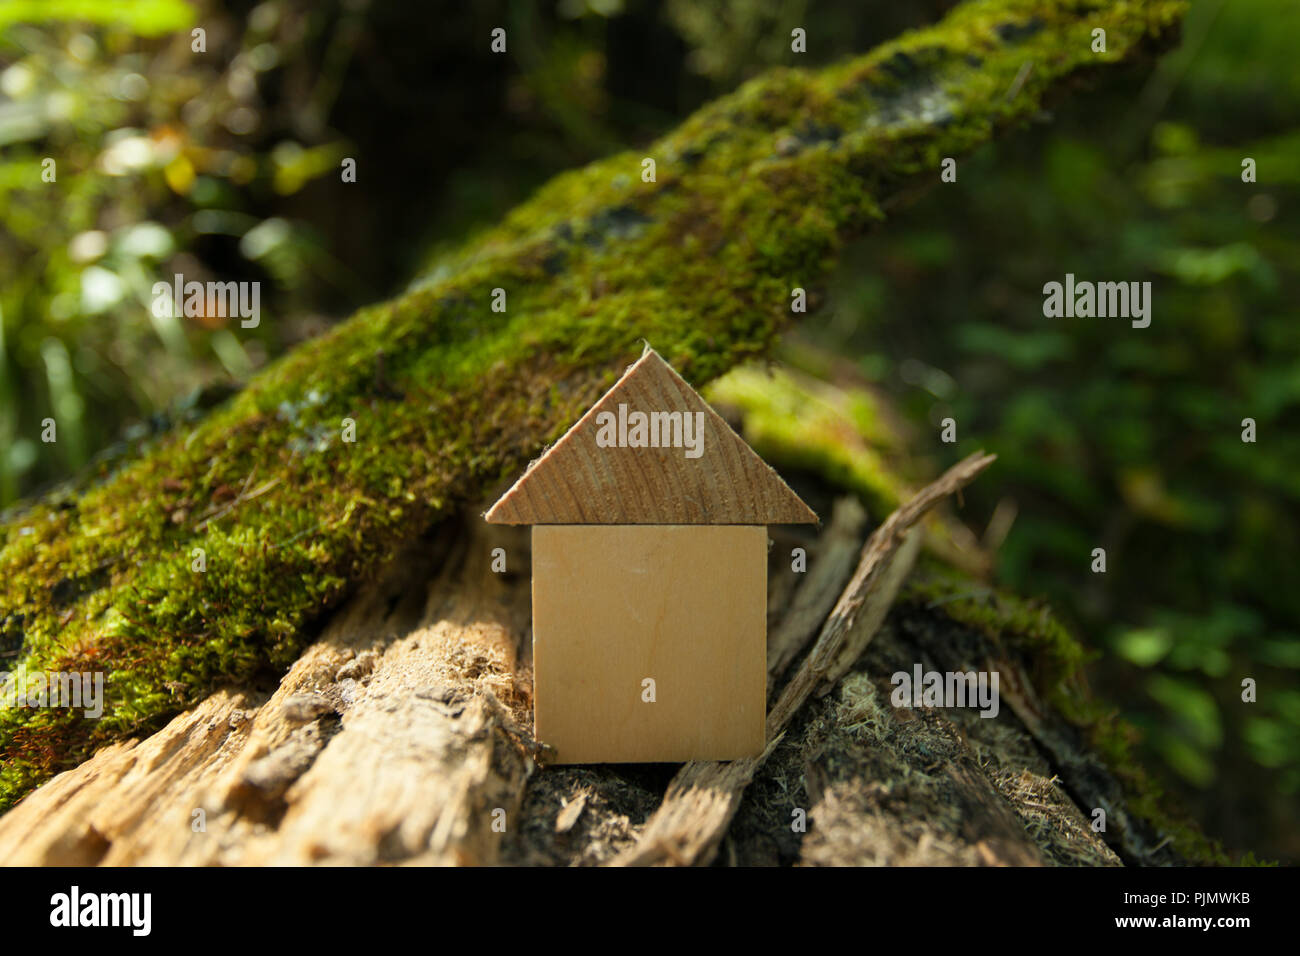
[[754, 196]]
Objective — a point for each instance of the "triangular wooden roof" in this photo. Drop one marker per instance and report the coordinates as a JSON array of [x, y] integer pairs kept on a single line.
[[579, 482]]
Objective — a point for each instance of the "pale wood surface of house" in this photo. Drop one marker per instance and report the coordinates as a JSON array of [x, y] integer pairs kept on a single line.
[[578, 481], [682, 605], [650, 578]]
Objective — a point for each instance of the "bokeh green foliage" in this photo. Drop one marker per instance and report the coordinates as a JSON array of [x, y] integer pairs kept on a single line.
[[163, 161]]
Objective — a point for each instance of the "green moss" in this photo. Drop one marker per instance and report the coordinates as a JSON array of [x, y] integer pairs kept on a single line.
[[755, 195], [796, 422], [843, 433]]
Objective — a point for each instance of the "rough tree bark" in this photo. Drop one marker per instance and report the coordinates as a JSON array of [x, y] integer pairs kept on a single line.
[[401, 731]]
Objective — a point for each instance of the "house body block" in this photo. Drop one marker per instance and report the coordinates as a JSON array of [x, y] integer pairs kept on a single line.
[[650, 577], [682, 605]]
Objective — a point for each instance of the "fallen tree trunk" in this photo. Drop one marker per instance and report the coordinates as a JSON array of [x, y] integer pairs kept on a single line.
[[403, 735]]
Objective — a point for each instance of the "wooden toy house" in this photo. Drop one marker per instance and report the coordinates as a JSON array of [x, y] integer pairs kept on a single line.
[[650, 577]]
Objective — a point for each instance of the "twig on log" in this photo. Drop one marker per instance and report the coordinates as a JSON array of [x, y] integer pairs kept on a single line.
[[704, 795], [823, 583]]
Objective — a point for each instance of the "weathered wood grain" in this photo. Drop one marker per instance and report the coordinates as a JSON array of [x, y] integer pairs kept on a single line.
[[579, 481], [819, 586], [391, 740]]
